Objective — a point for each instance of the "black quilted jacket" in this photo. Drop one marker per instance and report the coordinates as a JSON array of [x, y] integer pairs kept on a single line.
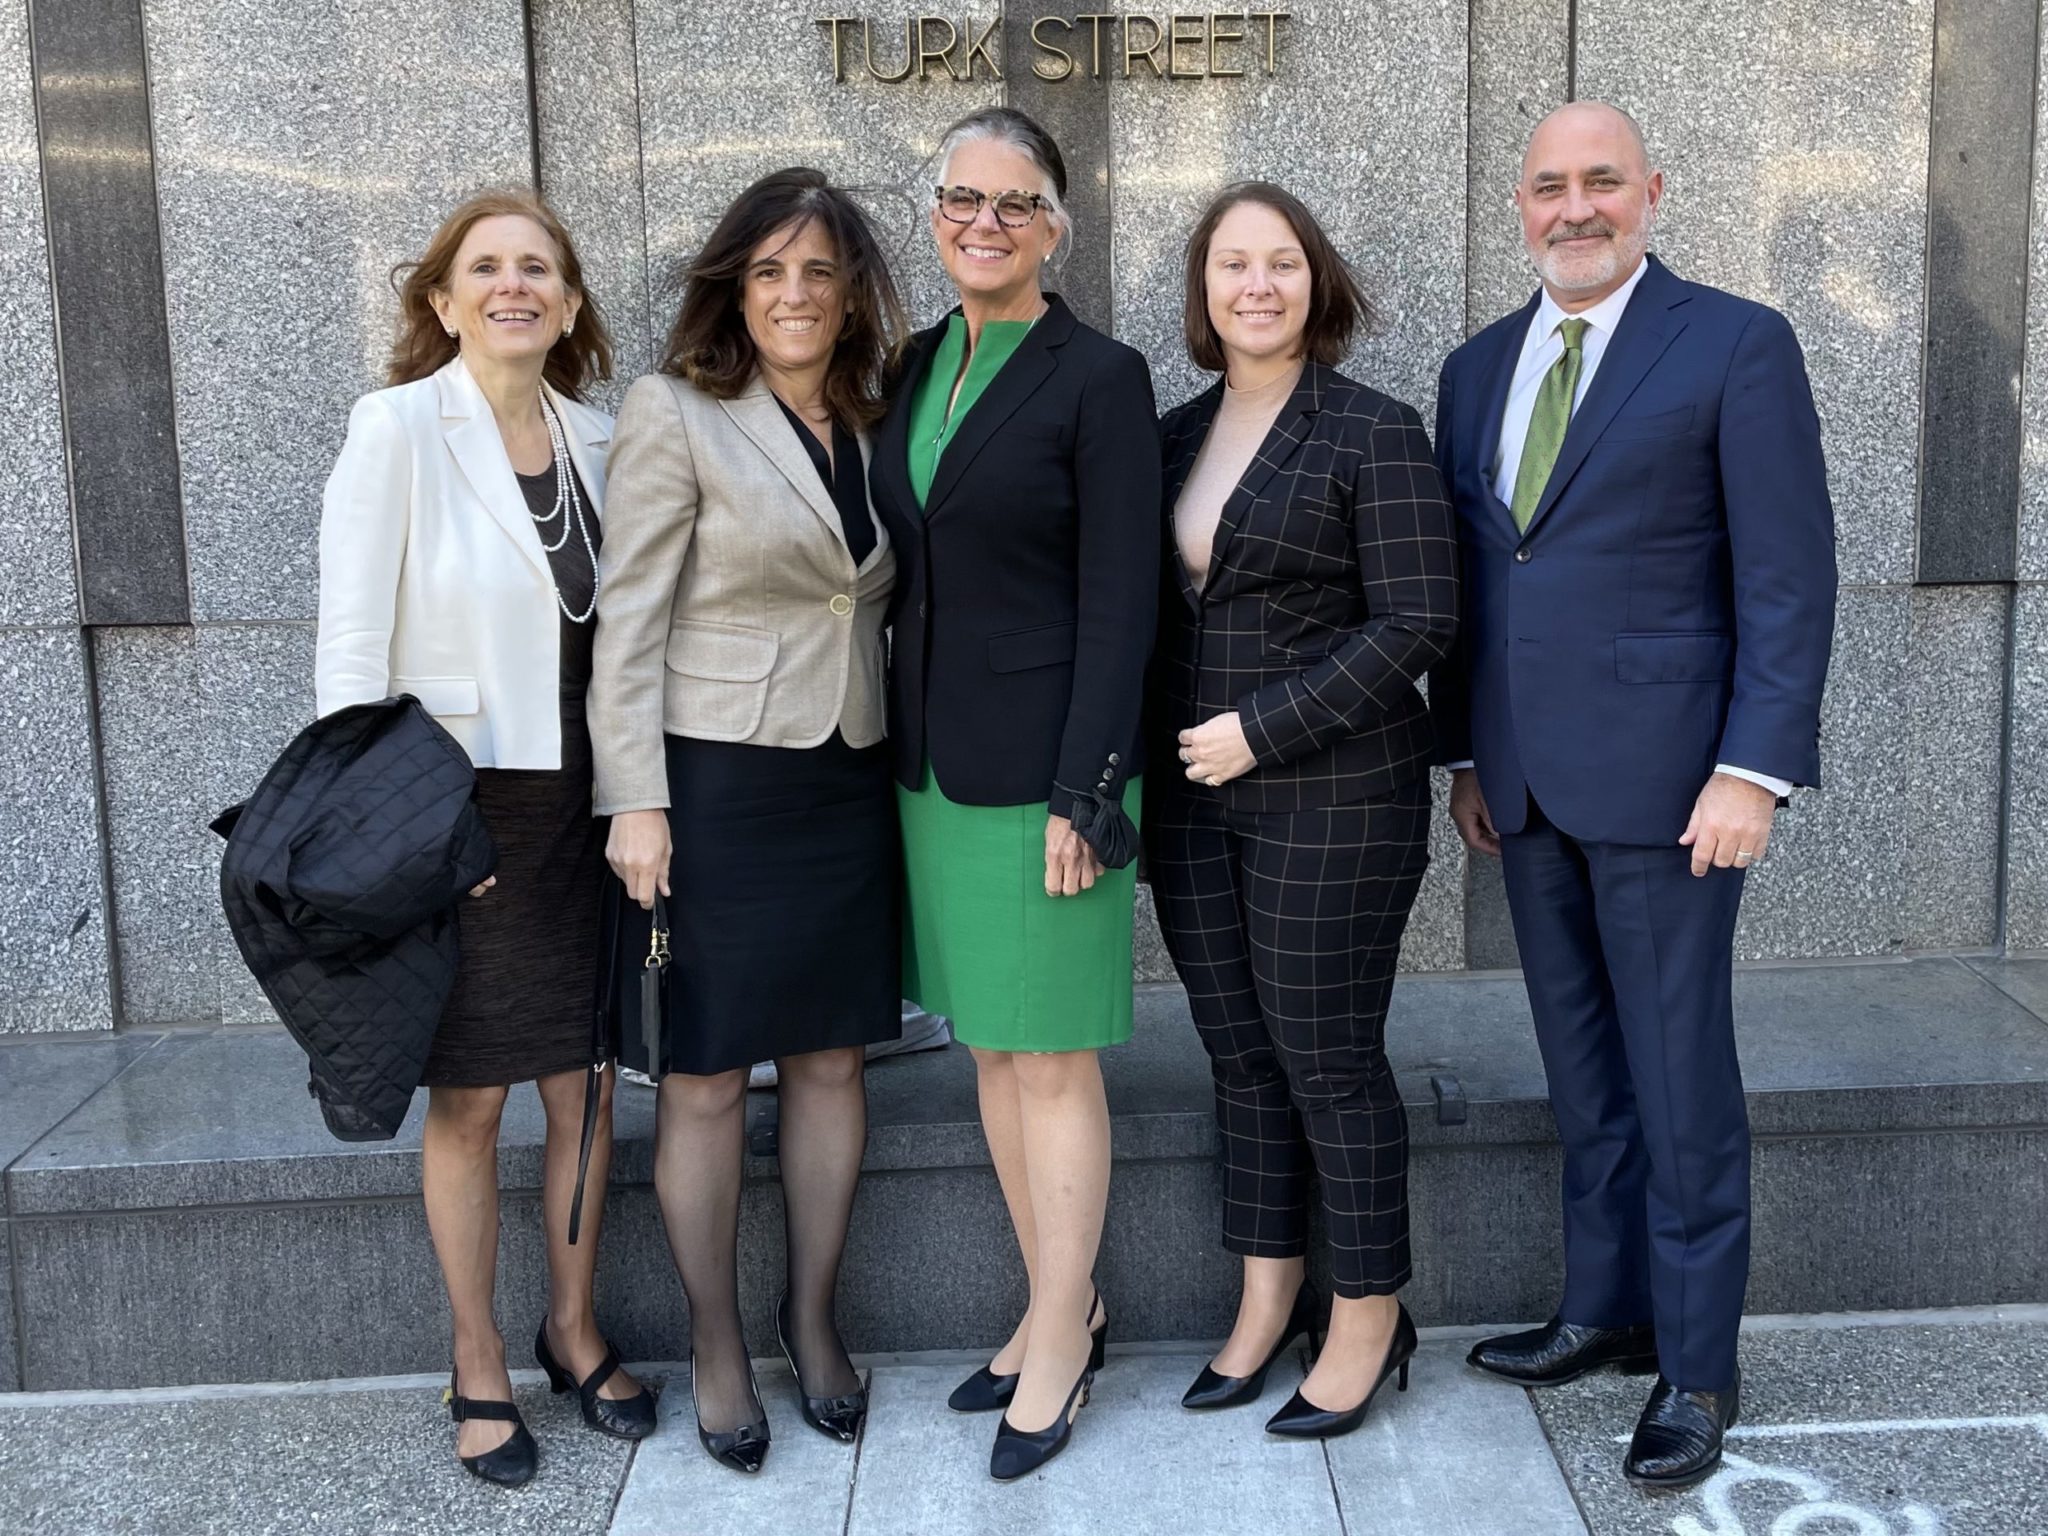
[[340, 883]]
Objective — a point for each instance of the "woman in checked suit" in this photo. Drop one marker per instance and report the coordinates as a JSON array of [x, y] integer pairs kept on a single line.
[[737, 720], [1311, 579]]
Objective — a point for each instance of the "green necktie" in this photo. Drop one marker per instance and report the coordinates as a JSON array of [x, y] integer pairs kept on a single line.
[[1547, 423]]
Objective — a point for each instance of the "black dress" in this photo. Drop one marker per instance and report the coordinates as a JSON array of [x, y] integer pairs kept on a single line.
[[525, 998], [784, 912]]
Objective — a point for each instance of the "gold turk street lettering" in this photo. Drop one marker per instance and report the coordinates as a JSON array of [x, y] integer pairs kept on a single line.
[[1194, 45]]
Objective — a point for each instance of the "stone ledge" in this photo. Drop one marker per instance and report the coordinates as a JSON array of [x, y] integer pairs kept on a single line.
[[221, 1117]]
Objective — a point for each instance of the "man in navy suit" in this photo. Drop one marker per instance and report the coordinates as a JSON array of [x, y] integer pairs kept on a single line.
[[1649, 601]]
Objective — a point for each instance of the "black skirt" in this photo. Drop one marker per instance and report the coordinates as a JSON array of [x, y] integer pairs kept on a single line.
[[524, 1004], [784, 907]]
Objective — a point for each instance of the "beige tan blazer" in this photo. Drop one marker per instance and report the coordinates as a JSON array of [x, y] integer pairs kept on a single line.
[[731, 608]]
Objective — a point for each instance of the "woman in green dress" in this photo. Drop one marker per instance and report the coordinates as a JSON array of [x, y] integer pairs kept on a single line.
[[1018, 473]]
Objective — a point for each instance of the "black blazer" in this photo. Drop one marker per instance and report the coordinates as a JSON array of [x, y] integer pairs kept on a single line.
[[1027, 587], [1333, 587]]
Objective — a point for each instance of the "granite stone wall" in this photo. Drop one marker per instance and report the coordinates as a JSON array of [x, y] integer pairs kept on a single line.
[[1815, 157]]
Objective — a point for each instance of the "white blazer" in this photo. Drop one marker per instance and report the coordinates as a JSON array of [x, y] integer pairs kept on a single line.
[[433, 581]]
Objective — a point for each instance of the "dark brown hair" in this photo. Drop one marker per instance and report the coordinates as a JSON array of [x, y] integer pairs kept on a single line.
[[1337, 306], [574, 362], [709, 344]]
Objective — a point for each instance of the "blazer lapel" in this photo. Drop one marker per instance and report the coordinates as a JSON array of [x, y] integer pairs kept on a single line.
[[1646, 328], [1286, 434], [472, 434], [1493, 403], [882, 538], [1015, 382], [1182, 452], [889, 469], [755, 412]]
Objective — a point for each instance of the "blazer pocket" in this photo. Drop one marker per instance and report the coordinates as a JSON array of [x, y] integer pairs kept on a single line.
[[1019, 650], [1663, 424], [722, 653], [1691, 658], [718, 689], [441, 695]]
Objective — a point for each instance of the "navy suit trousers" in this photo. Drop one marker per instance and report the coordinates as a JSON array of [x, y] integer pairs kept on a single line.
[[1628, 959]]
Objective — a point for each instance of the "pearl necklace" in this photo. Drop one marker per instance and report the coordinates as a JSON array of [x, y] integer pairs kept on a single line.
[[569, 508]]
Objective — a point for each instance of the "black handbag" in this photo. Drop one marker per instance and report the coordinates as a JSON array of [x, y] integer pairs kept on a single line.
[[634, 1006]]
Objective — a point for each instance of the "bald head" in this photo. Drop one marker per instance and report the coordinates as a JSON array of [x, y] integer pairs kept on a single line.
[[1587, 124], [1588, 199]]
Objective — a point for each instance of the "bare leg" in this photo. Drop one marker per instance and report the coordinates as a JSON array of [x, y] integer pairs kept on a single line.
[[1065, 1125], [1001, 1123], [699, 1156], [1270, 1286], [459, 1182], [572, 1268], [1361, 1333], [823, 1132]]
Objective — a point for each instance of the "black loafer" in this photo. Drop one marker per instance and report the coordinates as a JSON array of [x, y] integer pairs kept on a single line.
[[1678, 1439], [1559, 1352]]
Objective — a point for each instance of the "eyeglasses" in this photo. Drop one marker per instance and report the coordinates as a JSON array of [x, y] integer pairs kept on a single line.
[[962, 205]]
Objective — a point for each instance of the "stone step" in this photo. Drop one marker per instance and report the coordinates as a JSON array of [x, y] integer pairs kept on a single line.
[[176, 1213]]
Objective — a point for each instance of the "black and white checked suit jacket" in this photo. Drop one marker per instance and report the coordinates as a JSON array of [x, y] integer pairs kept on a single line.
[[1333, 587]]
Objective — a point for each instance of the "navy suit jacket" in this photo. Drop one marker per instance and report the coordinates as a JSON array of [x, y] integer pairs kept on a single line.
[[1671, 605]]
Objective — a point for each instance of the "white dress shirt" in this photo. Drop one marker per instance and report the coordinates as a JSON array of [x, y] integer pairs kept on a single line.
[[1541, 348]]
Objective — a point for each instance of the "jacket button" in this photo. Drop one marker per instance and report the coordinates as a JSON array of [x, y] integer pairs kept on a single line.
[[1114, 759], [1522, 556], [841, 604]]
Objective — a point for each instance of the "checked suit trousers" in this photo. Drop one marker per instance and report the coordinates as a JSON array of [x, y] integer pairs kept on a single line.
[[1285, 929]]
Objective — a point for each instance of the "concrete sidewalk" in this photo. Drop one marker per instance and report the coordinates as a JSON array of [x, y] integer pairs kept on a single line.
[[1910, 1424]]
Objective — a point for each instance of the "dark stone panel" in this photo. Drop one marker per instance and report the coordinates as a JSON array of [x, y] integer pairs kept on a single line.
[[10, 1350], [1979, 165], [1075, 112], [114, 356], [1869, 1223]]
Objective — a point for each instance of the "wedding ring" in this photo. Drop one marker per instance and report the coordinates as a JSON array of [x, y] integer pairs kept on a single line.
[[1213, 782], [1184, 757], [1744, 856]]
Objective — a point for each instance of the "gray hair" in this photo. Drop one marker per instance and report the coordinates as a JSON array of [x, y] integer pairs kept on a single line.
[[1018, 131]]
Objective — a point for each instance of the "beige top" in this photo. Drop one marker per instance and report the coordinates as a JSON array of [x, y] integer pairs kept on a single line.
[[1242, 422]]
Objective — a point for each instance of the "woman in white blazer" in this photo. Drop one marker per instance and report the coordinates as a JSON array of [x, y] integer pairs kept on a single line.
[[459, 546]]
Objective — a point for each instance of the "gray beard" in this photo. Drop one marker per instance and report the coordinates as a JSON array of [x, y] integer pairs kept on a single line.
[[1621, 257]]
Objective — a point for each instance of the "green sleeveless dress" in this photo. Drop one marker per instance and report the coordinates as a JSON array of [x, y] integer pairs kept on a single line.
[[1013, 968]]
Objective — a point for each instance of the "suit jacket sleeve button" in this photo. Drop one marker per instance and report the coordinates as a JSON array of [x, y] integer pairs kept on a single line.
[[1114, 759]]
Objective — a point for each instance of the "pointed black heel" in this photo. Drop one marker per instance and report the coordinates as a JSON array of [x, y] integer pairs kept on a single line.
[[985, 1391], [624, 1418], [1303, 1420], [509, 1465], [1020, 1452], [1215, 1391], [840, 1417], [742, 1449]]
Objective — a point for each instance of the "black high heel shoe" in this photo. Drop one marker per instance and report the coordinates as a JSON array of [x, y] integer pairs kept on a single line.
[[624, 1418], [1020, 1452], [1303, 1420], [985, 1391], [508, 1465], [1214, 1391], [742, 1449], [840, 1417]]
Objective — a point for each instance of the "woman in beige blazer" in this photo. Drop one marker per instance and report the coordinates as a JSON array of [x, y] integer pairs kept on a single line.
[[737, 719], [458, 563]]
